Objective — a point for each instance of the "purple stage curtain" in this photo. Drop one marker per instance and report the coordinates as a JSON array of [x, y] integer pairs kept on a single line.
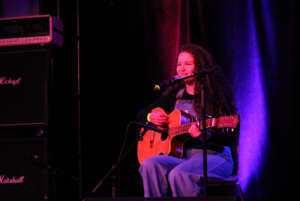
[[254, 42]]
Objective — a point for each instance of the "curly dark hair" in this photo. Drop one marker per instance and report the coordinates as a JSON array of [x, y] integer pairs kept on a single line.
[[219, 91]]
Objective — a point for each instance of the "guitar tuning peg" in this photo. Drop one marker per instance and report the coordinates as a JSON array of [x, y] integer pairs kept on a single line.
[[227, 130], [232, 130], [223, 130]]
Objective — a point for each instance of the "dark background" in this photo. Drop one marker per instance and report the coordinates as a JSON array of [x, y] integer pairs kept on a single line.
[[128, 46]]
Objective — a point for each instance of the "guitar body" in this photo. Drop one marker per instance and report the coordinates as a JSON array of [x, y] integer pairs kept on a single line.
[[155, 143]]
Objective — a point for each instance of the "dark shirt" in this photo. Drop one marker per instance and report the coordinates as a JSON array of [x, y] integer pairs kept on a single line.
[[167, 103]]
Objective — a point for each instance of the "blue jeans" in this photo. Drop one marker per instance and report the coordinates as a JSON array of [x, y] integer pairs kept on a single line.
[[182, 175]]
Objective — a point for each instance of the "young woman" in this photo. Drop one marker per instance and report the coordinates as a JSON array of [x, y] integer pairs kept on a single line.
[[165, 175]]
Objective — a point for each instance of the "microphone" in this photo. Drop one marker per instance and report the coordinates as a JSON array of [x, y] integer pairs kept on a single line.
[[34, 159], [145, 126], [178, 78], [166, 83]]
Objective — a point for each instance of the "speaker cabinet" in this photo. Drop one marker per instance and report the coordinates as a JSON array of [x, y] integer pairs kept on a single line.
[[30, 86], [21, 178]]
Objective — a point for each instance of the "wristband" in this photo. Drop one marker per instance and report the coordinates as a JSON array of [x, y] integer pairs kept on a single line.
[[148, 117]]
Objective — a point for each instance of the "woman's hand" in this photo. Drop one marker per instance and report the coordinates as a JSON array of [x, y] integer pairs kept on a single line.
[[194, 132], [158, 118]]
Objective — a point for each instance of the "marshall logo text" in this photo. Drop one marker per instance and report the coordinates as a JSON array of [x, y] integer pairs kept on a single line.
[[4, 80], [7, 180]]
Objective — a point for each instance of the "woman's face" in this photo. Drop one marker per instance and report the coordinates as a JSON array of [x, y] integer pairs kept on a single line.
[[186, 66]]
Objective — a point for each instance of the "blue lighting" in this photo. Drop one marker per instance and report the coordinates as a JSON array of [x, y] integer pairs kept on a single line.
[[250, 97]]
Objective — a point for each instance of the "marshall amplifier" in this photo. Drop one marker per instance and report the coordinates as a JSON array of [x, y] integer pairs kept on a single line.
[[20, 177], [28, 30], [31, 86]]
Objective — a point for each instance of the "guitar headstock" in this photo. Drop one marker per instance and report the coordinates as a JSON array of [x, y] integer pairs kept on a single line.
[[228, 121]]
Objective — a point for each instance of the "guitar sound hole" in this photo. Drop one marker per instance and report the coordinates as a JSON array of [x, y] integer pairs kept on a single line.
[[164, 136]]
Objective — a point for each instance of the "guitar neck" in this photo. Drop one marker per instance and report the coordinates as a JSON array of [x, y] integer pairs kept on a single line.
[[178, 130]]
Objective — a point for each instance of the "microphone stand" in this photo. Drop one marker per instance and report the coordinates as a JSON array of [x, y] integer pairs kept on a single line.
[[203, 107], [121, 159], [41, 164]]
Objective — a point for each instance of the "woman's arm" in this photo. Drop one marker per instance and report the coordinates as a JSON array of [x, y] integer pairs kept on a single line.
[[166, 102]]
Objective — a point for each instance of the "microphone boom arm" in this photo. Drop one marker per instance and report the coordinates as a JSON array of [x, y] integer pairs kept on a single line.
[[177, 80]]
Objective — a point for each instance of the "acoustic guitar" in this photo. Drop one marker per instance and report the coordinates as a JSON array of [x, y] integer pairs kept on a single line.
[[175, 134]]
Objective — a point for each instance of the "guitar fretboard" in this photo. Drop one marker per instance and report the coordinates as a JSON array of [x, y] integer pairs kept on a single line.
[[178, 130]]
